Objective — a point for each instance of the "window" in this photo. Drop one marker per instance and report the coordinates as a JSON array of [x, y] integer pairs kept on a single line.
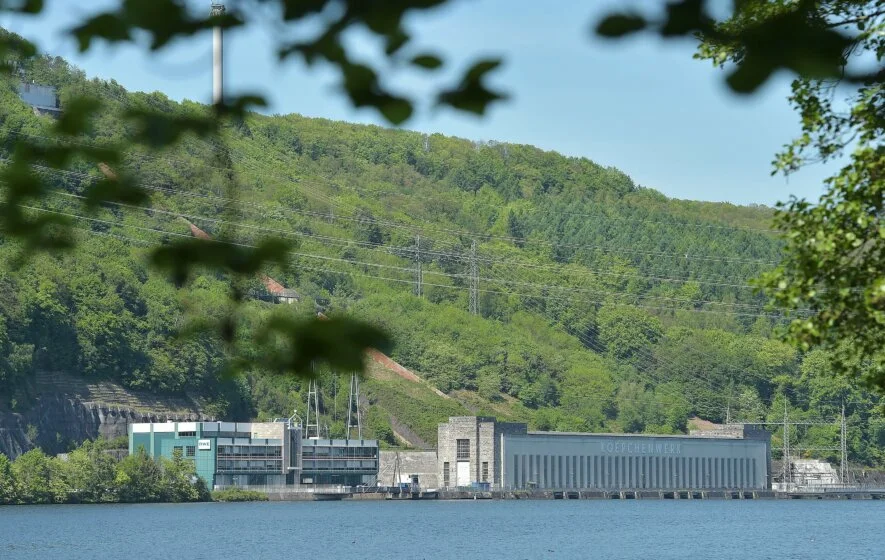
[[445, 474], [179, 449], [191, 450], [485, 471], [187, 434], [463, 447]]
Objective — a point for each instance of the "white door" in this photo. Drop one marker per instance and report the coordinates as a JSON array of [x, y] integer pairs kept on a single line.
[[463, 474]]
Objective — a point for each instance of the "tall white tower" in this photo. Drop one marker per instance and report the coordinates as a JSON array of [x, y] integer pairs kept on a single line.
[[217, 56]]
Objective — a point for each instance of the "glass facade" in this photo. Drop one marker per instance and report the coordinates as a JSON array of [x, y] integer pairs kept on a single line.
[[225, 453], [339, 461]]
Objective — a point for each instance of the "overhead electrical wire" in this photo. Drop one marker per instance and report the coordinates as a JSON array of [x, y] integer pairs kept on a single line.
[[545, 287], [517, 240], [458, 256], [411, 271]]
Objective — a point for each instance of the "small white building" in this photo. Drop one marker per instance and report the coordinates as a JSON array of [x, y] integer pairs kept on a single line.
[[44, 99]]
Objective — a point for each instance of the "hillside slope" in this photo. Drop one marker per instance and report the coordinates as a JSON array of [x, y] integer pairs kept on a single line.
[[600, 305]]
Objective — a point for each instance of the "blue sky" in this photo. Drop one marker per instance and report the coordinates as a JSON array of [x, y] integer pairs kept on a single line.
[[641, 105]]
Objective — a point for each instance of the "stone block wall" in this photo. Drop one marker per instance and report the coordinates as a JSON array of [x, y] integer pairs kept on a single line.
[[422, 463], [484, 436]]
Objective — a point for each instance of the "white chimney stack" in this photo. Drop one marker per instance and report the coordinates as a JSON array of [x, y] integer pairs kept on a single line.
[[217, 57]]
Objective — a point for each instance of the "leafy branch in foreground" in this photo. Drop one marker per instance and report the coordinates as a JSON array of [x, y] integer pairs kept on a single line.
[[833, 274], [822, 42], [163, 22]]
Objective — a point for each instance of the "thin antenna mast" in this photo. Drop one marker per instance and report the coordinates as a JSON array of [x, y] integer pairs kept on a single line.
[[312, 421], [353, 408]]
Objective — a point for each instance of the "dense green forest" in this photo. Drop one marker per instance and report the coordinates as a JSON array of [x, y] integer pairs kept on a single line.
[[91, 474], [602, 304]]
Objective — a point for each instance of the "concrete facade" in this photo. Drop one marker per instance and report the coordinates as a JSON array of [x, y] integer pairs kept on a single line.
[[265, 454], [421, 463], [479, 459], [41, 98], [227, 453], [480, 449]]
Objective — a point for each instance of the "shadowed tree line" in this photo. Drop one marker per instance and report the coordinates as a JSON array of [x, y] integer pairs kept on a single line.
[[92, 475]]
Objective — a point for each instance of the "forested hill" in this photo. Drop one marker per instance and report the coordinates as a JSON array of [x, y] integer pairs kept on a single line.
[[602, 305]]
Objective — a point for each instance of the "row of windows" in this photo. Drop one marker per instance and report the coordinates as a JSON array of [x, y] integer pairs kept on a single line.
[[250, 479], [573, 471], [226, 435], [186, 451], [447, 477], [250, 450], [250, 465], [345, 452], [312, 465], [328, 458]]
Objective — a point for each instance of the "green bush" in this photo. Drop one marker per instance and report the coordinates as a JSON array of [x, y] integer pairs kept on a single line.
[[238, 495]]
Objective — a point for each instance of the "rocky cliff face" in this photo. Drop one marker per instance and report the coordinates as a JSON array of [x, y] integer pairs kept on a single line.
[[69, 411], [58, 422]]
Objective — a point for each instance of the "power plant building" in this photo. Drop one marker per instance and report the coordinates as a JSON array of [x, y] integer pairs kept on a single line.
[[267, 454], [508, 456]]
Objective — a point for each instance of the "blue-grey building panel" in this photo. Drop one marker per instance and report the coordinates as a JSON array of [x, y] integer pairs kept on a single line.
[[611, 462]]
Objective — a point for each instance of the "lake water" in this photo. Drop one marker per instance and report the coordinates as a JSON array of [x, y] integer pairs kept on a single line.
[[449, 530]]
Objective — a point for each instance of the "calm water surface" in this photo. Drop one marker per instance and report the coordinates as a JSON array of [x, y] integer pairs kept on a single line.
[[448, 530]]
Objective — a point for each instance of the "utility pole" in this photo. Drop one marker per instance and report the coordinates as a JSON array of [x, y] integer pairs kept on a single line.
[[312, 421], [786, 459], [474, 280], [217, 56], [353, 408], [843, 446], [419, 273], [397, 471], [728, 403], [335, 397]]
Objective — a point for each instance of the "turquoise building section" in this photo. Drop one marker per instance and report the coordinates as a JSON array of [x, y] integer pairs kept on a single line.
[[162, 440]]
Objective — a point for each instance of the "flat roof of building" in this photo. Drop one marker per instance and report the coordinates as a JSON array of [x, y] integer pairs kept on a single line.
[[595, 434]]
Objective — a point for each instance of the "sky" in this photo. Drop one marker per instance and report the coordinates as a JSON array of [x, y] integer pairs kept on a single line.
[[642, 105]]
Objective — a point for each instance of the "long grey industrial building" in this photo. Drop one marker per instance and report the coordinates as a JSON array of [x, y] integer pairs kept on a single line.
[[508, 456]]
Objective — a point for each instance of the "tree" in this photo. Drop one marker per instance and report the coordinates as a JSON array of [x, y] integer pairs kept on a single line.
[[628, 333], [8, 486], [93, 474], [180, 481], [811, 39], [832, 277], [32, 471], [140, 478]]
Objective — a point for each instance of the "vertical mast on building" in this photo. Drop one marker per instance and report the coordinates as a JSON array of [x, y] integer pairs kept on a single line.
[[353, 408], [217, 56], [312, 420]]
